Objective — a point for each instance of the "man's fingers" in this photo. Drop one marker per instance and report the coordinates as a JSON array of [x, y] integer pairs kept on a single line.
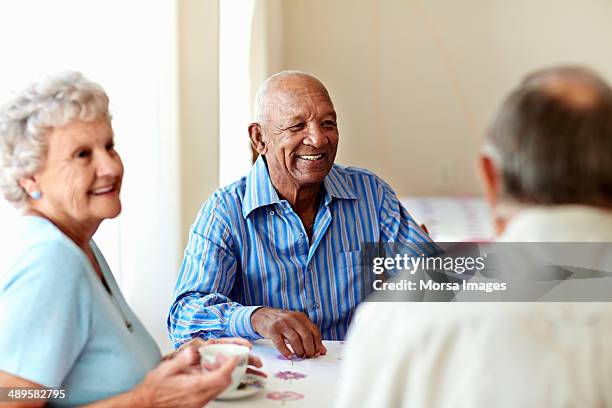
[[314, 334], [318, 341], [295, 340], [323, 350], [307, 339], [303, 336], [280, 345]]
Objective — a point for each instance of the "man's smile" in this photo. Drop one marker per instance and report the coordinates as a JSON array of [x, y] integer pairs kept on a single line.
[[311, 157]]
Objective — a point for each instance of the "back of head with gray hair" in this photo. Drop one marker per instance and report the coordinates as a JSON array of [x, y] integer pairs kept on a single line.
[[552, 139], [27, 119], [261, 96]]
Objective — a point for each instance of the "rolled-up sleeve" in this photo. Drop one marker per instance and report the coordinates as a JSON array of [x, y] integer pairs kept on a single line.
[[202, 304]]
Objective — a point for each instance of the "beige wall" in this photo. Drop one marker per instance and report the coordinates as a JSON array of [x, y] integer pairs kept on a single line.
[[198, 105], [415, 83]]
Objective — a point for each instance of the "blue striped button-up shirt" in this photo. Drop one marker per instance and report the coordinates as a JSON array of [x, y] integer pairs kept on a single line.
[[248, 248]]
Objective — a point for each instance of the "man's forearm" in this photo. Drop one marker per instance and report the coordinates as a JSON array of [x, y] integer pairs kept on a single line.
[[198, 316]]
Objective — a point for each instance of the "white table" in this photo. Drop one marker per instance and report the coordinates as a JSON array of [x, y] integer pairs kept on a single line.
[[294, 383], [452, 219]]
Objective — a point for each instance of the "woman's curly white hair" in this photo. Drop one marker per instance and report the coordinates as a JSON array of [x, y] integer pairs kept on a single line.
[[27, 119]]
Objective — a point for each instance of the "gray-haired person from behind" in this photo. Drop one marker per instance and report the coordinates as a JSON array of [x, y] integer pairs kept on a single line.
[[546, 169], [550, 151], [63, 322]]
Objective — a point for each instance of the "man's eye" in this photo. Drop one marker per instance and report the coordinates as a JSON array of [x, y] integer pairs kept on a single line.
[[330, 124], [83, 154], [296, 128], [110, 146]]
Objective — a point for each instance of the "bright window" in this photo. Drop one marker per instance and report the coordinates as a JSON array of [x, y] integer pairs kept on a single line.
[[129, 48]]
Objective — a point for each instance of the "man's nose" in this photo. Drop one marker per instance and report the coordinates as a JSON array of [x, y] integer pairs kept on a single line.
[[316, 137]]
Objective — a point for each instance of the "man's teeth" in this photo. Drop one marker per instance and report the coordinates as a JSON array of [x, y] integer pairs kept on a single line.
[[103, 190], [315, 157]]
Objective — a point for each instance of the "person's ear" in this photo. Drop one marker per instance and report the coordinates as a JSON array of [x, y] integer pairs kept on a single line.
[[31, 187], [257, 139], [489, 178]]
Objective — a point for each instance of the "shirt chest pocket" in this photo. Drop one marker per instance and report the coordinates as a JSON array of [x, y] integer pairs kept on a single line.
[[352, 279]]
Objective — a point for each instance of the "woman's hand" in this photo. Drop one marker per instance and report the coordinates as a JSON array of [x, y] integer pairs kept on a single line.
[[175, 383], [197, 342]]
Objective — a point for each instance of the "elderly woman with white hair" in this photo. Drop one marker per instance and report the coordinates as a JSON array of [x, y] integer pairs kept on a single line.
[[63, 322]]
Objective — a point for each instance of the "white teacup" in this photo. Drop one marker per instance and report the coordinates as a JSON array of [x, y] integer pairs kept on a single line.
[[209, 352]]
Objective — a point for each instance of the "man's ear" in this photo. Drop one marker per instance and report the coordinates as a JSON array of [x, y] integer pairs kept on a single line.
[[490, 179], [257, 139]]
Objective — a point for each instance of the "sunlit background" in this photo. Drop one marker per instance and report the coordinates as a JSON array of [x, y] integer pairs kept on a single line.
[[414, 83]]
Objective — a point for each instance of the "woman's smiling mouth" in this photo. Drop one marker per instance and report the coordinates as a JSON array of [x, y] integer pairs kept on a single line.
[[103, 190]]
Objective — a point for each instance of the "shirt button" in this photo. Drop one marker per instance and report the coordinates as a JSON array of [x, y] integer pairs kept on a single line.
[[271, 212], [301, 235], [315, 305]]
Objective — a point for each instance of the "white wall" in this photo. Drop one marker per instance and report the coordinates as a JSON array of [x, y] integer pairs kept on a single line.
[[198, 27], [235, 21], [416, 82]]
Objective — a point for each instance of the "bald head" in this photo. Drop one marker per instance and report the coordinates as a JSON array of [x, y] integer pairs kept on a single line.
[[295, 130], [552, 139], [285, 82], [574, 87]]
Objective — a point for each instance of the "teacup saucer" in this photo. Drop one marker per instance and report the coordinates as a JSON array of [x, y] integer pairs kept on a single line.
[[250, 385]]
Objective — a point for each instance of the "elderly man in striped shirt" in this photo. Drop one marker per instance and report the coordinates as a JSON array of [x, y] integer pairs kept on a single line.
[[277, 254]]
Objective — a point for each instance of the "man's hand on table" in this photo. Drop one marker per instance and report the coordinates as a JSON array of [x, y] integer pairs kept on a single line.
[[293, 327]]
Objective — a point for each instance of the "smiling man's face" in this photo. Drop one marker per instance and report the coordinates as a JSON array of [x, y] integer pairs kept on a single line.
[[300, 133]]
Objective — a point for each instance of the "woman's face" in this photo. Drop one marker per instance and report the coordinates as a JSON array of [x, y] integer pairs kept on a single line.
[[81, 176]]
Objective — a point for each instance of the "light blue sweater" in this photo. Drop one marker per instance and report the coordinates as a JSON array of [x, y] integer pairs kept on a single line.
[[60, 327]]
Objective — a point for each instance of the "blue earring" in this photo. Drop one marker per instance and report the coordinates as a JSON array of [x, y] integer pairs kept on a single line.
[[36, 195]]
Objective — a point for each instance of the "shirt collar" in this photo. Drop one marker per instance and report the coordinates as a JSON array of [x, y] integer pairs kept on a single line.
[[261, 192], [560, 223], [338, 185], [259, 189]]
